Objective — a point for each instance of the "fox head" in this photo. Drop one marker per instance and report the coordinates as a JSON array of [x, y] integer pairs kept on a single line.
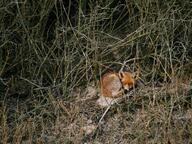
[[128, 79]]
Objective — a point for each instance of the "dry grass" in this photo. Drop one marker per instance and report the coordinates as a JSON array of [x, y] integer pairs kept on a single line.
[[51, 51]]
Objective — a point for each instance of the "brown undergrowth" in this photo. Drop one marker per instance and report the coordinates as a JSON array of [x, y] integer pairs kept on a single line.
[[51, 53]]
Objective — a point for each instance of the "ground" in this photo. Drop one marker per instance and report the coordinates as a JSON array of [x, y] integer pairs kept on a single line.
[[148, 115]]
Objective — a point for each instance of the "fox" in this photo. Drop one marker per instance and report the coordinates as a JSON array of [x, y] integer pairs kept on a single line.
[[112, 84]]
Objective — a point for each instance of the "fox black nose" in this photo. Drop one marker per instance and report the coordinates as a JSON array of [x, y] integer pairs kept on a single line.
[[126, 91]]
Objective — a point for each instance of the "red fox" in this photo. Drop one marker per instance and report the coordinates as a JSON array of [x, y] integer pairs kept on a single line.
[[112, 84]]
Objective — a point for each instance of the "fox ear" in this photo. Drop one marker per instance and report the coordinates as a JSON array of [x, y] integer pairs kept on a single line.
[[120, 74]]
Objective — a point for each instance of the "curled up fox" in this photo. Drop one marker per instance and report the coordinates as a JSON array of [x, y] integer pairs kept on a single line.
[[113, 84]]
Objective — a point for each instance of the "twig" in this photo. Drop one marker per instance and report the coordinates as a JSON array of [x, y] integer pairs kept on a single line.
[[104, 113], [117, 100]]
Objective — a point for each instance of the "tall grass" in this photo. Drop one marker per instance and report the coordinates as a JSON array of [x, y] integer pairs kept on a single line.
[[50, 48]]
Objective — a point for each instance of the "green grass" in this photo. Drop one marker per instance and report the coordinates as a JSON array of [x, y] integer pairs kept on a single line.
[[50, 51]]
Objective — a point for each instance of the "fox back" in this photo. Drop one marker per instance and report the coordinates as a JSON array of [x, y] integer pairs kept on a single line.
[[110, 85]]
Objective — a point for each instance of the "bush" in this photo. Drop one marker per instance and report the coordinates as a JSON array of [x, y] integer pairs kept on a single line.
[[52, 47]]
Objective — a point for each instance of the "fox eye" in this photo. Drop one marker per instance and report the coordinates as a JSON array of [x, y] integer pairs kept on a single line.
[[120, 75]]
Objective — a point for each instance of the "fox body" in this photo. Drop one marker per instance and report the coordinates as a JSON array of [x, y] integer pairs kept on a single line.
[[113, 84], [110, 85]]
